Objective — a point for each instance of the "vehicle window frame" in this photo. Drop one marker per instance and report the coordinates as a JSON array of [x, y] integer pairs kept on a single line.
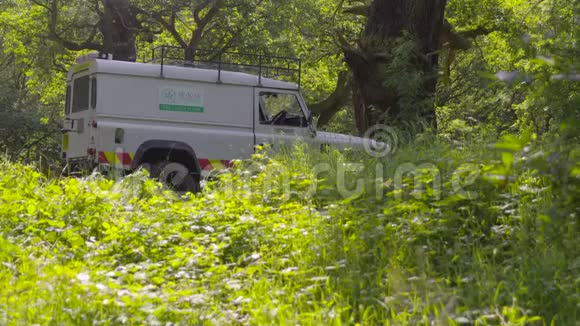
[[67, 100], [93, 92], [279, 91], [76, 106]]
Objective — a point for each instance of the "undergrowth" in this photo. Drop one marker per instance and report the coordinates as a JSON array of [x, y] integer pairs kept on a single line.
[[436, 234]]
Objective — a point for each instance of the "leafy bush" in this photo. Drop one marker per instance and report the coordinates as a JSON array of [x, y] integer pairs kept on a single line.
[[474, 236]]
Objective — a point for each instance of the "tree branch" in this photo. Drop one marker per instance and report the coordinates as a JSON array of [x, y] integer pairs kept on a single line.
[[88, 44], [201, 23], [198, 9], [170, 27], [359, 10], [341, 95]]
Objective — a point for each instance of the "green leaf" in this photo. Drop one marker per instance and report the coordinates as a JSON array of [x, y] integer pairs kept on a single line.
[[510, 143], [507, 159]]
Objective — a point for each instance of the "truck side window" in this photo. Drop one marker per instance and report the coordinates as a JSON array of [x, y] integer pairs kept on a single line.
[[80, 94], [281, 109], [67, 101]]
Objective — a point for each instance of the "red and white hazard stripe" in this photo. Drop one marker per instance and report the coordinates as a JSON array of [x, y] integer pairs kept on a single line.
[[209, 165], [118, 159], [125, 160]]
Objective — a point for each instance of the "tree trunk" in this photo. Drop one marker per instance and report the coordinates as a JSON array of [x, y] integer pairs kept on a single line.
[[395, 64], [119, 29], [339, 98]]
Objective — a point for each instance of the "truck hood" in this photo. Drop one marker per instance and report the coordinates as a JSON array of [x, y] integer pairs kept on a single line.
[[332, 138], [345, 141]]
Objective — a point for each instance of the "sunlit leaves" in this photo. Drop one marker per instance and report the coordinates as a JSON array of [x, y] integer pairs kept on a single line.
[[259, 240]]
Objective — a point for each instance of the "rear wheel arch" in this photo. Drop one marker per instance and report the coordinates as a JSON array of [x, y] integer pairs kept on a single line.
[[154, 151]]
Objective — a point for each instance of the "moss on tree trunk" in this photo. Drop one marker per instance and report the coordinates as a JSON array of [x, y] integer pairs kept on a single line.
[[395, 64]]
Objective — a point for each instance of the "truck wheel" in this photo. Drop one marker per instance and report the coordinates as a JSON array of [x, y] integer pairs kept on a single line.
[[176, 176], [145, 166]]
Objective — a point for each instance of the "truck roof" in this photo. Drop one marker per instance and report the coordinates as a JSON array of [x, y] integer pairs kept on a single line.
[[179, 73]]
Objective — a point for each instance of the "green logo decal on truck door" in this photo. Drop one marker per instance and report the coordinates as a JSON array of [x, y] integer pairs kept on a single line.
[[180, 99]]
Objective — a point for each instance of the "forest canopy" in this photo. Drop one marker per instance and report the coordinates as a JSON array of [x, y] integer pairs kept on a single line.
[[458, 66]]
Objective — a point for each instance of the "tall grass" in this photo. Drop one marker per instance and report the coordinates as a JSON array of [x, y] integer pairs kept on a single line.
[[435, 235]]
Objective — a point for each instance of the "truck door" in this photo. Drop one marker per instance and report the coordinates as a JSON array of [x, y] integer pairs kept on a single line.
[[281, 117], [79, 128]]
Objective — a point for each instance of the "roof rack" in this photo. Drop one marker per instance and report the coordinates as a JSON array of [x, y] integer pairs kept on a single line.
[[264, 66]]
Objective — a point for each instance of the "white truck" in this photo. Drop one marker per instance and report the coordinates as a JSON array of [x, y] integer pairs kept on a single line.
[[183, 118]]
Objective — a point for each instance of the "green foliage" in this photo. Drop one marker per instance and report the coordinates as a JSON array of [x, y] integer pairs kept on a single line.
[[31, 85], [460, 228], [473, 236], [530, 46], [406, 79], [28, 127]]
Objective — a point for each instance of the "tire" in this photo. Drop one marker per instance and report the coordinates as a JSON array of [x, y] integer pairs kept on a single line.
[[145, 166], [175, 176]]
